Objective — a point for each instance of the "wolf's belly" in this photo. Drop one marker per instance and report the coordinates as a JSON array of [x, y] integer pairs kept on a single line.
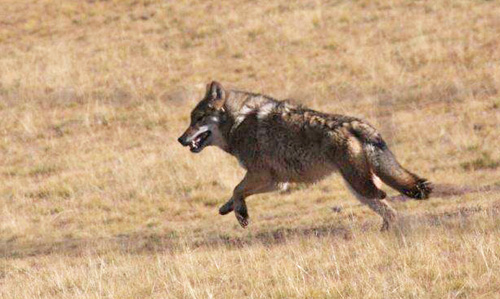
[[295, 166], [288, 154], [300, 173]]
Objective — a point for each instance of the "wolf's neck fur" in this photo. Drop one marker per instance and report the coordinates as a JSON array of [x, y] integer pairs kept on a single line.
[[240, 104], [238, 101]]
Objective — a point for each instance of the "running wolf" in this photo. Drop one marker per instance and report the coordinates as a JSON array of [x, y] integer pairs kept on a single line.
[[277, 142]]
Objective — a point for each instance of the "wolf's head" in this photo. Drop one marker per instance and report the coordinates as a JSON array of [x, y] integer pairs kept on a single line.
[[206, 120]]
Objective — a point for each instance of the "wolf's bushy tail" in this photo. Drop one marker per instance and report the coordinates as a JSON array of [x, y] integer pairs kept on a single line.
[[388, 169], [385, 166]]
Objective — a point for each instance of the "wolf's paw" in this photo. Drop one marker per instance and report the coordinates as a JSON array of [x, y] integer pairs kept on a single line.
[[226, 208], [243, 221]]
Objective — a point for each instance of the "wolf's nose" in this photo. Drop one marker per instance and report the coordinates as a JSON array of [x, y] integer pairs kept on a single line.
[[181, 141]]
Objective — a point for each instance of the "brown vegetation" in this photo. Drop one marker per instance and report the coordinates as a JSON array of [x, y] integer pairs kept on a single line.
[[99, 200]]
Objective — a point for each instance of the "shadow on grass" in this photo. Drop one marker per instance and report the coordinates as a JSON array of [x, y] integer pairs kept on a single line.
[[448, 190], [147, 243]]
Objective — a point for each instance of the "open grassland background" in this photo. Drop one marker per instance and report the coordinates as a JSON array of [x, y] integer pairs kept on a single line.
[[98, 200]]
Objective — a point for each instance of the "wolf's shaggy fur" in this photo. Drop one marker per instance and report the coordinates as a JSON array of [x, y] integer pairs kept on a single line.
[[277, 142]]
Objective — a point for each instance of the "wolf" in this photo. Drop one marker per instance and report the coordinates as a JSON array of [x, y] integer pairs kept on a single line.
[[279, 143]]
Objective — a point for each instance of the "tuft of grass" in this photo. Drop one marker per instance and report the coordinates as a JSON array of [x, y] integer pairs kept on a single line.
[[483, 162]]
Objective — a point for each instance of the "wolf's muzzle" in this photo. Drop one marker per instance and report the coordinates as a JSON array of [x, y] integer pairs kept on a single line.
[[182, 140]]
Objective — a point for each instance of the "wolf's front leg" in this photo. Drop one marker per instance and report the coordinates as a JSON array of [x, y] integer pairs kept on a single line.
[[251, 184], [241, 212], [227, 207]]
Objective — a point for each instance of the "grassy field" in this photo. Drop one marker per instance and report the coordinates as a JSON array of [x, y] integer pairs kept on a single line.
[[97, 198]]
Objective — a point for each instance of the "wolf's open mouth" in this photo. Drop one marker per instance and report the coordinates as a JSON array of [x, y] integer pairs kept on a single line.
[[197, 144]]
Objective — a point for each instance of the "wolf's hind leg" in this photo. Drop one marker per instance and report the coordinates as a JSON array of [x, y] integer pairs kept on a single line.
[[250, 185], [376, 201], [363, 184], [381, 207]]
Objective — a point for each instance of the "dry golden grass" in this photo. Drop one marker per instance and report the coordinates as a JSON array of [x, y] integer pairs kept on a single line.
[[98, 199]]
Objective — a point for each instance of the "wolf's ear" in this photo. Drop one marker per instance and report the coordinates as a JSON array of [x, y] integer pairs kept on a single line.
[[216, 94]]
